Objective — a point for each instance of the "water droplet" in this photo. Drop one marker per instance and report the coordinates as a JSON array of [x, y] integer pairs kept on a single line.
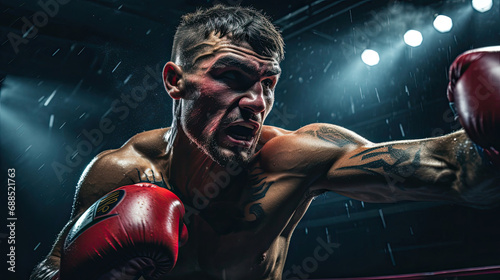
[[116, 67], [402, 131], [382, 217], [51, 121]]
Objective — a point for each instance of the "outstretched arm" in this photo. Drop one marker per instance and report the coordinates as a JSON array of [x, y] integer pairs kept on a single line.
[[463, 167], [444, 168]]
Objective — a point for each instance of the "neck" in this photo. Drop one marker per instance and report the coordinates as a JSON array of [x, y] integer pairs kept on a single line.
[[194, 173]]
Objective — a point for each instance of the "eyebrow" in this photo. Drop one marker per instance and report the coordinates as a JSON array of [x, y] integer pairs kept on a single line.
[[228, 61]]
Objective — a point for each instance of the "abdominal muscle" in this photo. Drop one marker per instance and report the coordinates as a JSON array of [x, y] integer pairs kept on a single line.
[[245, 254]]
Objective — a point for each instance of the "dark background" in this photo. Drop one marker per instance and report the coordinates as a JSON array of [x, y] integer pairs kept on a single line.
[[78, 67]]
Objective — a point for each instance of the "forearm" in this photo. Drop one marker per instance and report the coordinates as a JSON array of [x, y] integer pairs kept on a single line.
[[47, 269], [445, 168]]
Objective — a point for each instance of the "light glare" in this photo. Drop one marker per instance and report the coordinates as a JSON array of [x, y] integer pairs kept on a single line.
[[482, 5], [443, 23], [413, 38], [370, 57]]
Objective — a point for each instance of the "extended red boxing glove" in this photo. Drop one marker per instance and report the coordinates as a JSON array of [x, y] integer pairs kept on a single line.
[[132, 231], [474, 89]]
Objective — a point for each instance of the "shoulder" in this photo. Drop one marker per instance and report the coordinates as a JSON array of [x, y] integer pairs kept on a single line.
[[333, 134], [149, 143], [315, 134], [114, 168], [270, 132], [308, 147]]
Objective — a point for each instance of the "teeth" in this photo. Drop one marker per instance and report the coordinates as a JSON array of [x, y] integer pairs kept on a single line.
[[237, 137], [246, 125]]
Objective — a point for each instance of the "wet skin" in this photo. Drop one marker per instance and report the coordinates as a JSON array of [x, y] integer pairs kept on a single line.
[[258, 180]]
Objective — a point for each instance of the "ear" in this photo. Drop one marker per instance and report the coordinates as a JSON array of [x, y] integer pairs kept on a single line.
[[172, 80]]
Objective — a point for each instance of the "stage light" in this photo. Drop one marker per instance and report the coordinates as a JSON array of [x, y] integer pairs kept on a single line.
[[443, 23], [482, 5], [370, 57], [413, 38]]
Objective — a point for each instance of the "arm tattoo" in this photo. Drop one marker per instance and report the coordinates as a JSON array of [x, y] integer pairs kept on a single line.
[[399, 167], [331, 135], [258, 190], [151, 178]]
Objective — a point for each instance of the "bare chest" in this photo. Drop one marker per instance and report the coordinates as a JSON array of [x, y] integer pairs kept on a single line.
[[246, 238]]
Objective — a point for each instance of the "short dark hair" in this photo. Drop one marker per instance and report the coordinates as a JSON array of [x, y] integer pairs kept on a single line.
[[240, 24]]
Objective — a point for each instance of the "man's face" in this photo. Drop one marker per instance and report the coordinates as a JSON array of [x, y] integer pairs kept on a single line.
[[229, 92]]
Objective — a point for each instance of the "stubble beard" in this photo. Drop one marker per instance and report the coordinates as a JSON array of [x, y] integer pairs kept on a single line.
[[210, 147], [238, 155]]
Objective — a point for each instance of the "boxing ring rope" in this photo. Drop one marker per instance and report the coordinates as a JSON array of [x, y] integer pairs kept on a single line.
[[431, 275]]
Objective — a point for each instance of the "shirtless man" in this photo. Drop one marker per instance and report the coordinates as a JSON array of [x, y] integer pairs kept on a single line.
[[218, 194]]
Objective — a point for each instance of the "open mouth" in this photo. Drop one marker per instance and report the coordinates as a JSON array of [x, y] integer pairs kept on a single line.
[[242, 132]]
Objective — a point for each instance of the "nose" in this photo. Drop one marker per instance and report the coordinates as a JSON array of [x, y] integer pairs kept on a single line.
[[253, 99]]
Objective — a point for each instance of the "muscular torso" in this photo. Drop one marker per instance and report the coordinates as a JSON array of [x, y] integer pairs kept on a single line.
[[240, 219], [239, 226], [244, 230], [217, 249]]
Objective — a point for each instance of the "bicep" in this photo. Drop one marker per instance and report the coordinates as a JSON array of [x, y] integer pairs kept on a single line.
[[111, 170]]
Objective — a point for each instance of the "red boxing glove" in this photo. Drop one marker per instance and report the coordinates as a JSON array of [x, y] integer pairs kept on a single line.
[[132, 231], [474, 89]]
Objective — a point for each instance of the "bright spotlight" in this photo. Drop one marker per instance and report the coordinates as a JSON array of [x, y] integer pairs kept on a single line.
[[443, 23], [482, 5], [413, 38], [370, 57]]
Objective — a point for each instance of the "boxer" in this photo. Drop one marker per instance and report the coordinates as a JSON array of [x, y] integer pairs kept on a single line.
[[218, 194]]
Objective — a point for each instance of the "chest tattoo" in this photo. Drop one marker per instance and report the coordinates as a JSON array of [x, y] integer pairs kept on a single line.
[[156, 179], [259, 186]]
